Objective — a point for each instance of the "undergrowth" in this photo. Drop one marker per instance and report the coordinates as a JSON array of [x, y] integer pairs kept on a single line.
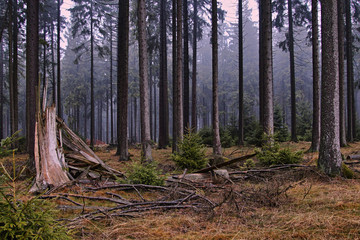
[[147, 173]]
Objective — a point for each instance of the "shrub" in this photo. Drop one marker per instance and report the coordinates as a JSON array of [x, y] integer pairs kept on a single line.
[[146, 173], [26, 219], [5, 144], [249, 163], [346, 172], [271, 154], [191, 153]]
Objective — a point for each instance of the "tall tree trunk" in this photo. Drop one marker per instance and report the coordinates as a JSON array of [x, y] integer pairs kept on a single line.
[[32, 69], [123, 80], [155, 112], [107, 117], [1, 90], [111, 85], [85, 118], [215, 74], [329, 154], [144, 84], [315, 143], [163, 91], [194, 71], [241, 76], [178, 87], [53, 66], [59, 106], [350, 76], [11, 69], [174, 73], [151, 97], [135, 120], [292, 73], [261, 64], [92, 100], [267, 74], [341, 32], [186, 101]]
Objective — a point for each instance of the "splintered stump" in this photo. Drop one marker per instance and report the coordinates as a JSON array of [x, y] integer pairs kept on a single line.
[[52, 166], [51, 169]]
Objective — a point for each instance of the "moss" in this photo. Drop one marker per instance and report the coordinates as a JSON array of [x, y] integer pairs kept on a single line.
[[346, 172]]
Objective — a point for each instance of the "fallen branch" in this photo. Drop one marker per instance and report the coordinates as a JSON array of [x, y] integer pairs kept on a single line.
[[220, 165]]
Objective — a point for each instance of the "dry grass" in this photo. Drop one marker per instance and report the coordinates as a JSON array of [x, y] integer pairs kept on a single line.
[[316, 208]]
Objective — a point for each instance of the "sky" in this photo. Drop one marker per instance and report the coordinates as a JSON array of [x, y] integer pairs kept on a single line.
[[231, 8]]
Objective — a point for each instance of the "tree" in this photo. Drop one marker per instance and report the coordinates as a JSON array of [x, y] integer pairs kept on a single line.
[[315, 143], [215, 73], [32, 69], [87, 18], [122, 78], [58, 56], [144, 83], [241, 76], [350, 74], [177, 86], [194, 70], [329, 154], [163, 84], [1, 89], [186, 101], [341, 37], [266, 70]]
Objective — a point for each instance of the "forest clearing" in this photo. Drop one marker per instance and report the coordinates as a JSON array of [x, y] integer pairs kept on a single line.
[[299, 203]]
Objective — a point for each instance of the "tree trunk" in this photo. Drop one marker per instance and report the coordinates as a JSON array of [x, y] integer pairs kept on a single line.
[[59, 106], [1, 91], [123, 80], [329, 154], [111, 85], [350, 76], [53, 66], [32, 69], [261, 64], [194, 71], [186, 102], [341, 38], [178, 91], [135, 120], [241, 77], [144, 84], [85, 118], [267, 74], [292, 73], [174, 73], [155, 113], [215, 74], [92, 100], [315, 143], [107, 117], [266, 68], [163, 88], [151, 97]]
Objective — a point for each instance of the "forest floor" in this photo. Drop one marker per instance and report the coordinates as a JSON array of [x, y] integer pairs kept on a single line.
[[298, 203]]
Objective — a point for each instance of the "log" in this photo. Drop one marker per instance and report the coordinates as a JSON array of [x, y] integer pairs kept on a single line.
[[353, 157], [220, 165]]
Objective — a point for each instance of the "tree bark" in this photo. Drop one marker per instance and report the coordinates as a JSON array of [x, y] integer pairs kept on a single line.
[[266, 68], [163, 95], [292, 73], [123, 80], [329, 154], [186, 101], [111, 86], [32, 69], [215, 74], [194, 71], [53, 66], [341, 32], [350, 76], [59, 106], [144, 84], [178, 90], [1, 90], [241, 76], [315, 143], [174, 72], [92, 100]]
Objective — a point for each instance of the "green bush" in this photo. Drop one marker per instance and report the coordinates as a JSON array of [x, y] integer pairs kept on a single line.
[[249, 163], [146, 173], [5, 144], [26, 219], [191, 153], [271, 154]]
